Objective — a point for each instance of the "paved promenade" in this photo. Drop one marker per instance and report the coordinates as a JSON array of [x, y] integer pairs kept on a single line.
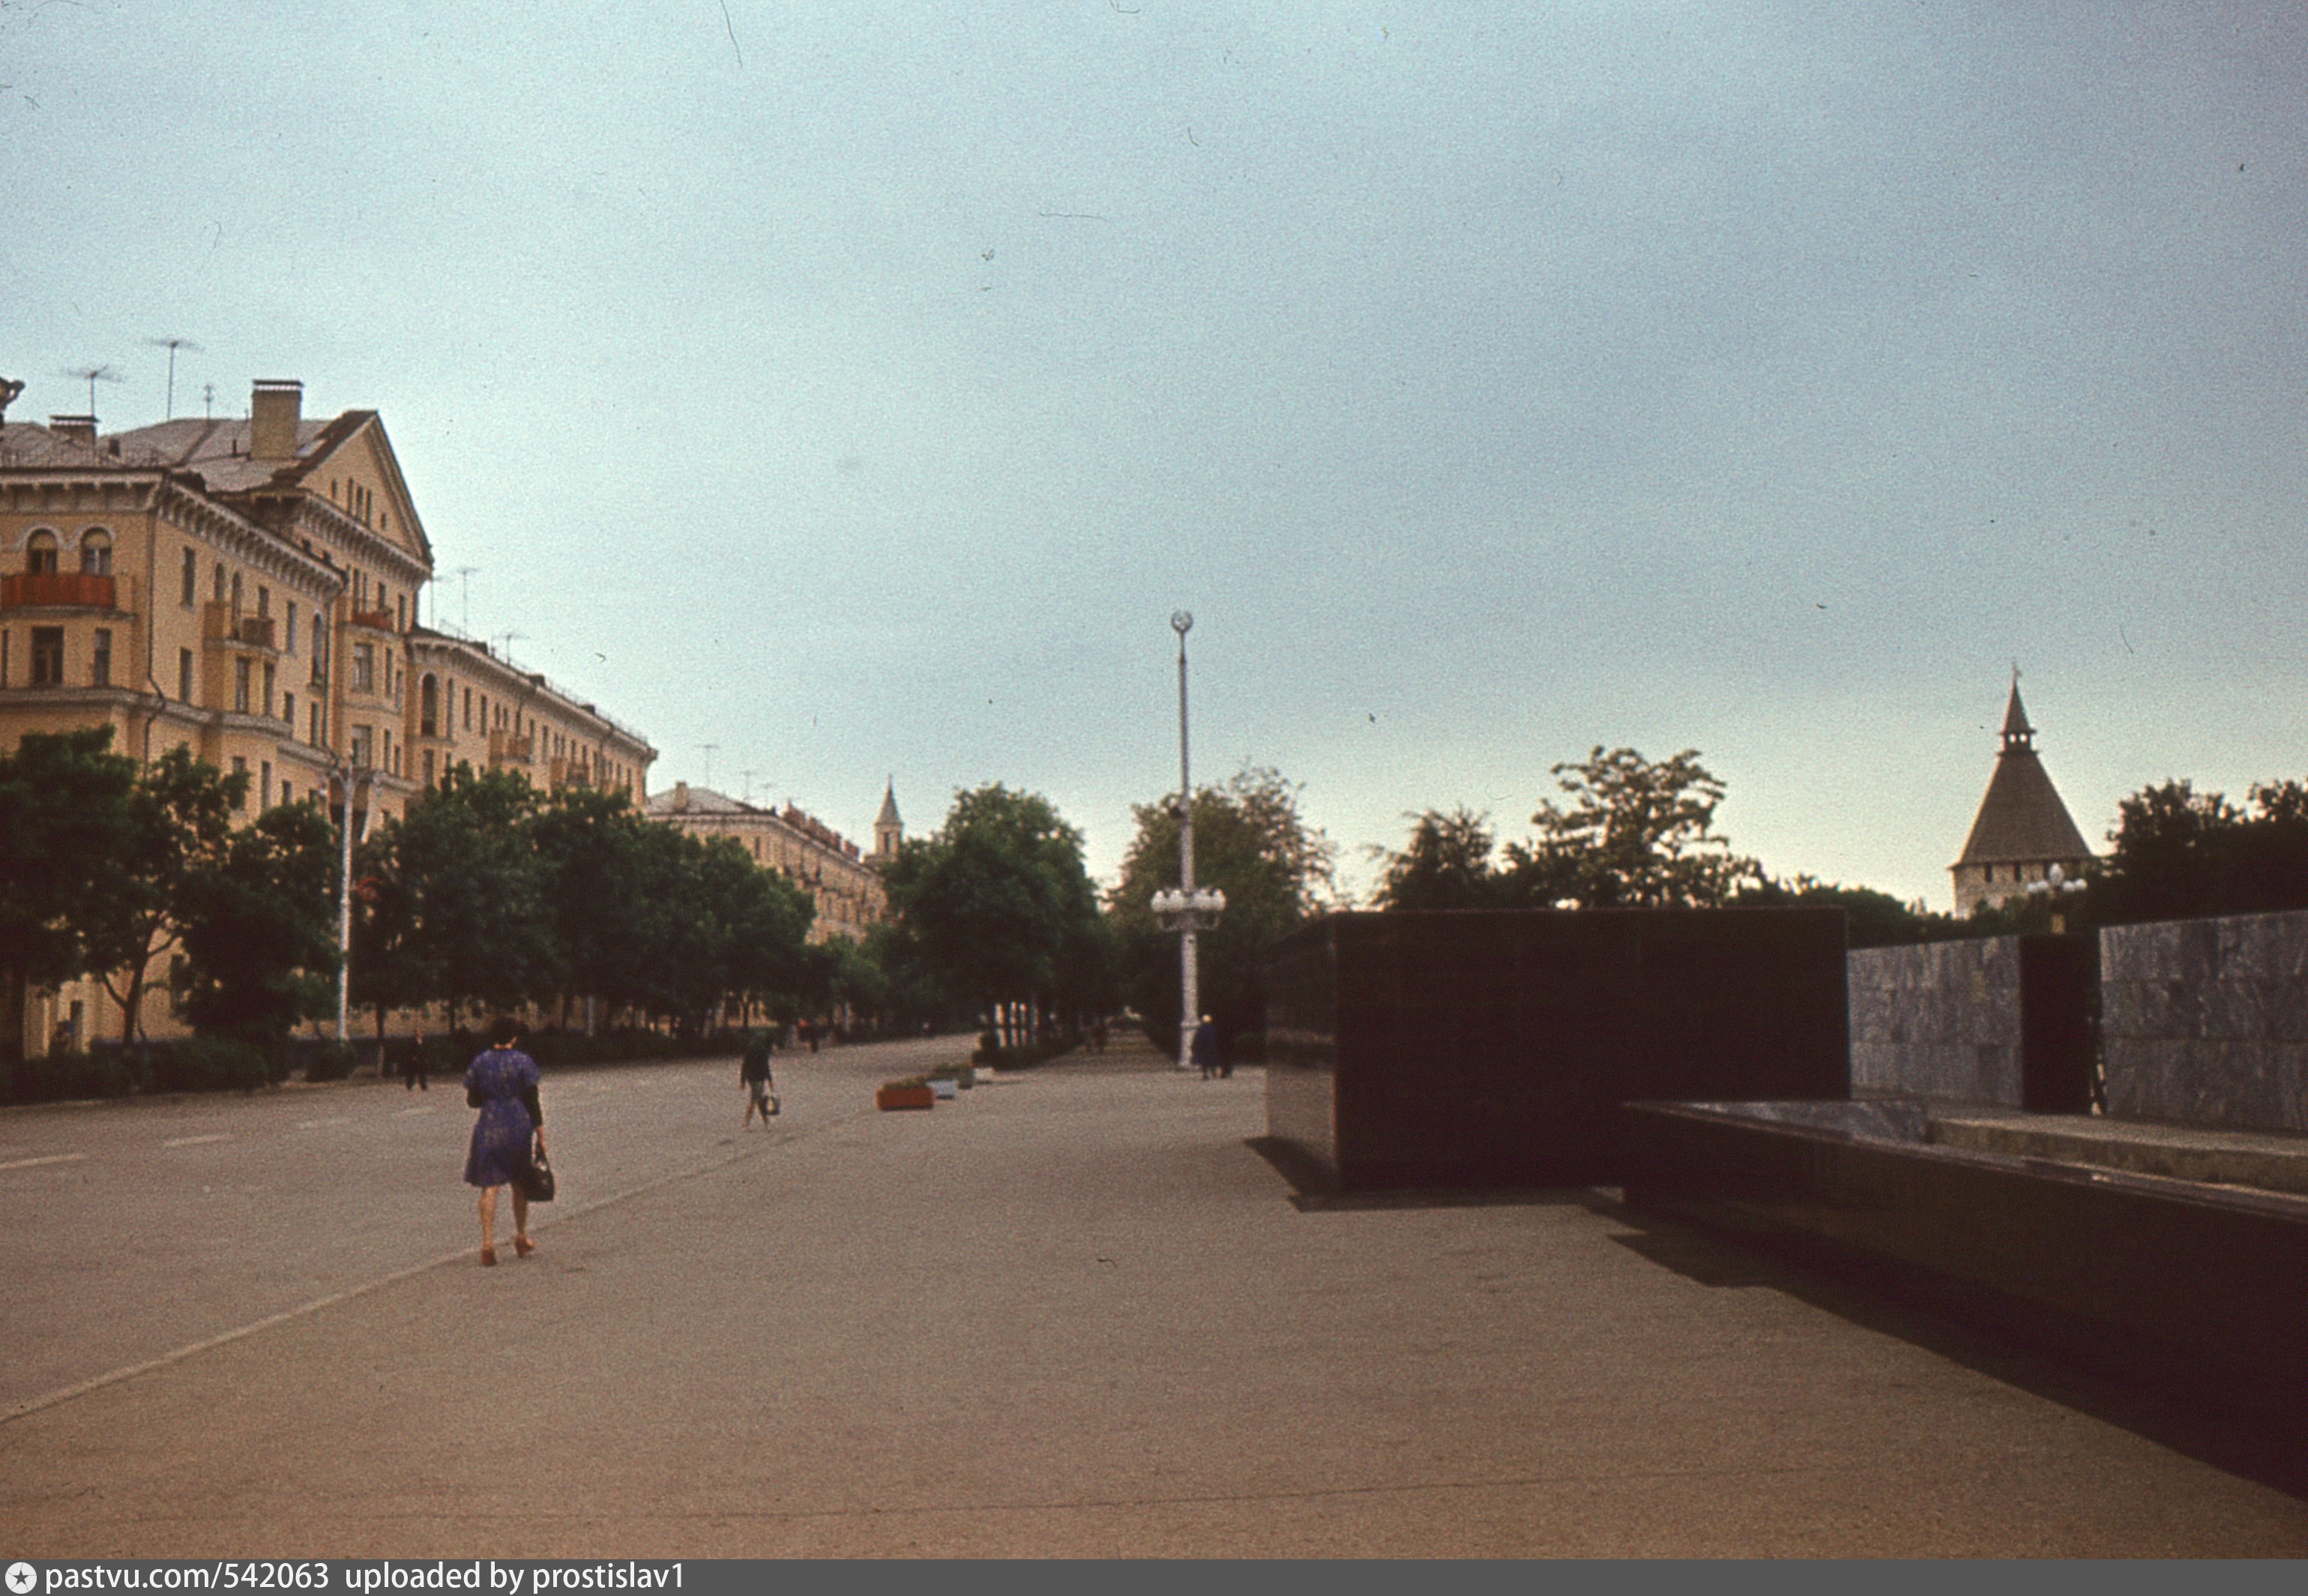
[[1069, 1313]]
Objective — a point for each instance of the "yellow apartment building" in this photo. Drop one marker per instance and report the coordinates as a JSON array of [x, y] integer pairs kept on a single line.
[[843, 885], [248, 589]]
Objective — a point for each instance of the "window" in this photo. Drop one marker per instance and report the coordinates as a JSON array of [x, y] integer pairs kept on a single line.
[[320, 652], [428, 767], [100, 659], [401, 611], [360, 589], [48, 656], [263, 602], [96, 552], [240, 683], [360, 747], [364, 668], [288, 713], [428, 709], [314, 715], [184, 676], [268, 692], [240, 769], [235, 592], [290, 631], [469, 709], [40, 554], [265, 785], [216, 587], [191, 586]]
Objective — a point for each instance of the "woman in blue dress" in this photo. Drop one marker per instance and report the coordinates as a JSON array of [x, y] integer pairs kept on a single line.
[[502, 1084]]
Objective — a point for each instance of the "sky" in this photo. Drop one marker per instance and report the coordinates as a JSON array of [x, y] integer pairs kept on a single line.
[[859, 388]]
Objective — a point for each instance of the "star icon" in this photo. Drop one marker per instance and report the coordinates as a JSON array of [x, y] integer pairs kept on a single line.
[[21, 1578]]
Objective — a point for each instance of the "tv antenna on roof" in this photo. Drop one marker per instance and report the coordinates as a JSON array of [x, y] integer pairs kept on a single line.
[[93, 376], [208, 401], [709, 748], [464, 575], [749, 776], [172, 345]]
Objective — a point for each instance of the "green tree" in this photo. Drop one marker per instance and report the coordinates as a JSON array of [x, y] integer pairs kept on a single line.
[[68, 828], [260, 929], [1252, 843], [1635, 833], [999, 904], [1446, 864], [181, 813], [464, 915]]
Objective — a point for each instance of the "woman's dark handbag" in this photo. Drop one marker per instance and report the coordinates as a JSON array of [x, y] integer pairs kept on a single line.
[[536, 1180]]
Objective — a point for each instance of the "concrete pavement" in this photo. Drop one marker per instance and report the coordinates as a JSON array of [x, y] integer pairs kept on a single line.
[[1073, 1313]]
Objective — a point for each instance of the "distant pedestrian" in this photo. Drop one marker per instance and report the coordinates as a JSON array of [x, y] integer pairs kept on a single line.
[[502, 1084], [1205, 1048], [419, 1075], [753, 1074]]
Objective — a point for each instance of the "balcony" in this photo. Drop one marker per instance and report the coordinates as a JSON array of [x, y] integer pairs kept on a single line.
[[243, 631], [57, 589], [378, 620], [504, 748]]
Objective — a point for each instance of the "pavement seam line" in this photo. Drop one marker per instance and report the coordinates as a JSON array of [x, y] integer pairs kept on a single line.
[[95, 1383]]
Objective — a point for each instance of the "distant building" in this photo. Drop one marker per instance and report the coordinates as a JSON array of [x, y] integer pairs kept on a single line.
[[843, 885], [888, 831], [2022, 829], [475, 709]]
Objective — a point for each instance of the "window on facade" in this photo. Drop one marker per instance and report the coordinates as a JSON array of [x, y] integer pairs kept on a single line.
[[268, 692], [428, 767], [469, 709], [184, 676], [360, 747], [48, 656], [216, 586], [190, 583], [289, 712], [235, 592], [360, 589], [320, 652], [96, 552], [428, 708], [314, 715], [401, 611], [240, 684], [364, 668], [288, 629], [265, 785], [100, 658], [263, 602], [240, 769], [40, 554]]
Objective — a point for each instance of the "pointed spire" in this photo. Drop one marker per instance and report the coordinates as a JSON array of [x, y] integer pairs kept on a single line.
[[889, 814], [2019, 736]]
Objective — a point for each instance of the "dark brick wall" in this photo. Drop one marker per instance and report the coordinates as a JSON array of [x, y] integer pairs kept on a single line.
[[1495, 1048], [2205, 1022]]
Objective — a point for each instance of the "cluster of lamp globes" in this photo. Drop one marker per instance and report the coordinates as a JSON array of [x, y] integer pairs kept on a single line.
[[2055, 880], [1195, 910]]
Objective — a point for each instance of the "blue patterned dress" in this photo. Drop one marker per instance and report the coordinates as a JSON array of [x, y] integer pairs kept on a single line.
[[505, 1079]]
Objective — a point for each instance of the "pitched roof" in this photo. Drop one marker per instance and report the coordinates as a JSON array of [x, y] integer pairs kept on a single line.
[[686, 799], [889, 814], [2021, 819], [219, 449]]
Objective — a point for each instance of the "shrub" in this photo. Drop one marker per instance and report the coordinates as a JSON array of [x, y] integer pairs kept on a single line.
[[332, 1060], [211, 1064]]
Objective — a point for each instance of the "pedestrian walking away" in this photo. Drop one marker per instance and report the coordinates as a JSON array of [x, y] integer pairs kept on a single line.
[[501, 1083], [419, 1075], [1204, 1049], [753, 1075]]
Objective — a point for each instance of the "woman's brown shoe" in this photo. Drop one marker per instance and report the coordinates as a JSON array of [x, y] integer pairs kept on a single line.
[[488, 1257], [523, 1246]]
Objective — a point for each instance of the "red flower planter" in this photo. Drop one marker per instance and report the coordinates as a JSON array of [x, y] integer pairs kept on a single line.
[[904, 1096]]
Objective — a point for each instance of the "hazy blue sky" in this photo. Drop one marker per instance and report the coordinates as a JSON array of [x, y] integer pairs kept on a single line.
[[861, 387]]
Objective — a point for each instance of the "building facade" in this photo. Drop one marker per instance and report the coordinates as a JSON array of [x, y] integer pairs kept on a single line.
[[248, 589], [2022, 831], [843, 885]]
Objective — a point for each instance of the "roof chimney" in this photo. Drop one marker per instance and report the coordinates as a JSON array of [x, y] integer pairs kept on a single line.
[[274, 407], [681, 795], [75, 429]]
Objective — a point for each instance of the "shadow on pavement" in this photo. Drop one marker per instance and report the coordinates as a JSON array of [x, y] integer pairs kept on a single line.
[[1959, 1326]]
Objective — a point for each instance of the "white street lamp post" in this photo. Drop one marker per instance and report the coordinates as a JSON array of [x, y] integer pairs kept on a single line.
[[1182, 909], [345, 769]]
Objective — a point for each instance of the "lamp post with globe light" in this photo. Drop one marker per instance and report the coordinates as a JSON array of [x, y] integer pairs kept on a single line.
[[1183, 909], [2057, 888]]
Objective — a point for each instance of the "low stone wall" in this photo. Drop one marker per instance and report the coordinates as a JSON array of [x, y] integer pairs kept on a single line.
[[1999, 1020], [2205, 1022]]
